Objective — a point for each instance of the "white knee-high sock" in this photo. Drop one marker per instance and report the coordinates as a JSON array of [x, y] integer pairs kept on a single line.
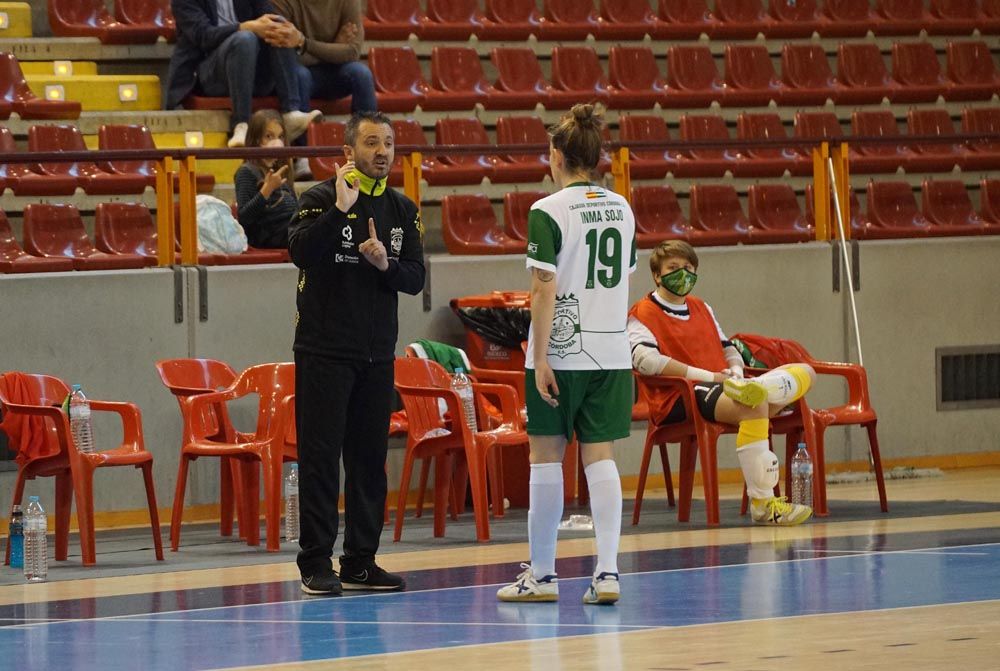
[[785, 385], [760, 469], [606, 508], [545, 509]]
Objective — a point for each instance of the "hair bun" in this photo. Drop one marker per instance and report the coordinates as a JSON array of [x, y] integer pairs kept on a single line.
[[583, 114]]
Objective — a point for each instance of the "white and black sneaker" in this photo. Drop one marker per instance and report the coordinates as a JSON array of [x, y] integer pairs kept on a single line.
[[369, 576], [322, 583], [604, 589], [529, 588]]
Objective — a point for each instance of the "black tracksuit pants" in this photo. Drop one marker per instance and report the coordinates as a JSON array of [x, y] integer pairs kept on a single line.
[[342, 409]]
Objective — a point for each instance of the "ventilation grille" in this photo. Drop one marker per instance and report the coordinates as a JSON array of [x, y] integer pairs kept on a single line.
[[968, 377]]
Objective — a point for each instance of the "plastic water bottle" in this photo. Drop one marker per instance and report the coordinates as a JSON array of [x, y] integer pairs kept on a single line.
[[79, 420], [16, 537], [292, 505], [802, 477], [461, 384], [36, 542]]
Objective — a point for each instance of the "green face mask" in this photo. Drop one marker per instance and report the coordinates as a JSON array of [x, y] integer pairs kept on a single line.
[[679, 282]]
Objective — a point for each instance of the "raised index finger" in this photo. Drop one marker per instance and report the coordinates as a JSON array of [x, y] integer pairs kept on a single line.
[[372, 233]]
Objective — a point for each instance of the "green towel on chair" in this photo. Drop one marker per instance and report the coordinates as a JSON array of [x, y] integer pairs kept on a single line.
[[446, 355]]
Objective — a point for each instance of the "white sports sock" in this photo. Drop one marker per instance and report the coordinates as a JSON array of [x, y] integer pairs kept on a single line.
[[760, 469], [545, 509], [606, 508]]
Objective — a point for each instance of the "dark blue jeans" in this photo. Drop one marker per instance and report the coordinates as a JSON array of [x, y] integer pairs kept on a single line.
[[329, 81], [245, 66]]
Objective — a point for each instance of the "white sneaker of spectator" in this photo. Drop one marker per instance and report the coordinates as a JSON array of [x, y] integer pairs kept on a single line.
[[297, 122], [239, 138]]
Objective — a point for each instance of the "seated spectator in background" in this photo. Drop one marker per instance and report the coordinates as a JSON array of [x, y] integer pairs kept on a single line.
[[265, 200], [230, 48], [673, 333], [328, 36]]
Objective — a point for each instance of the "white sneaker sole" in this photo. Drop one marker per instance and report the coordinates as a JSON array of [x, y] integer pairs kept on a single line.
[[528, 598], [744, 392], [316, 592], [371, 588], [603, 598]]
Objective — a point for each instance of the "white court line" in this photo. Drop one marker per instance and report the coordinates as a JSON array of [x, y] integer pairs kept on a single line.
[[868, 552], [405, 623], [461, 587]]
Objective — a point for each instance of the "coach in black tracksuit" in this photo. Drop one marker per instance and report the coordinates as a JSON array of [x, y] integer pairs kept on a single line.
[[357, 244]]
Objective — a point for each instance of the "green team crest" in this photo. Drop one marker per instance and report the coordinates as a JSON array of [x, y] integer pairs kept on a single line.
[[566, 337]]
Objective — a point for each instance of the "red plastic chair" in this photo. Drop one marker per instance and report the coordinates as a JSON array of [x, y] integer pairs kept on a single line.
[[817, 126], [847, 18], [13, 259], [567, 20], [658, 216], [875, 158], [972, 74], [469, 226], [953, 17], [516, 205], [916, 67], [938, 157], [766, 161], [775, 215], [524, 130], [24, 181], [90, 18], [862, 72], [627, 20], [511, 20], [684, 19], [859, 223], [901, 17], [989, 204], [420, 383], [190, 377], [457, 79], [947, 207], [139, 137], [148, 13], [471, 132], [692, 78], [125, 229], [893, 213], [91, 178], [716, 216], [325, 134], [795, 19], [399, 84], [23, 101], [982, 120], [634, 80], [750, 76], [57, 231], [577, 76], [806, 74], [990, 18], [519, 84], [393, 19], [74, 470], [409, 131], [274, 384], [706, 162], [452, 20], [647, 163]]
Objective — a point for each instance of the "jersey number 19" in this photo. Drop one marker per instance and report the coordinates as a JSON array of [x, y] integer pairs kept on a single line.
[[606, 248]]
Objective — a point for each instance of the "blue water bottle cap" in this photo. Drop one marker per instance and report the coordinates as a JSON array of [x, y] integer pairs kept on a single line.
[[459, 369], [802, 446], [32, 499], [77, 387], [295, 467]]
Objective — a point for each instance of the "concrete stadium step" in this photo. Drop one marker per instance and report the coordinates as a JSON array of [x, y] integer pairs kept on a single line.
[[83, 49], [15, 20], [221, 169], [101, 92], [158, 121], [62, 68]]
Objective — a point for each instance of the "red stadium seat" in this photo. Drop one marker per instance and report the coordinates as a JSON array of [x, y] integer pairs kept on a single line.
[[705, 162], [471, 131], [953, 17], [817, 126], [647, 163], [25, 181], [900, 17], [878, 157], [750, 76], [684, 19], [457, 80], [139, 137], [90, 18], [626, 20], [634, 78], [89, 177], [519, 84], [982, 120], [948, 209], [972, 74], [716, 216], [990, 20], [893, 213], [511, 20], [800, 18], [770, 161], [325, 134], [939, 157], [409, 131], [859, 223], [658, 216], [567, 20], [916, 68], [692, 78], [148, 13], [847, 18], [340, 106], [862, 73], [399, 84], [516, 205], [13, 259], [56, 231], [524, 130], [452, 20], [577, 77], [125, 229], [393, 19], [775, 215], [469, 226], [806, 74], [989, 204], [740, 19], [22, 100]]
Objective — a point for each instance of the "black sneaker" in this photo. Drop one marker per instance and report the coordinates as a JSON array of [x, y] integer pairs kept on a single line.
[[370, 577], [322, 583]]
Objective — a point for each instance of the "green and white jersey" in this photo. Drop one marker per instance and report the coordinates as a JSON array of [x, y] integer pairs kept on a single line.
[[585, 234]]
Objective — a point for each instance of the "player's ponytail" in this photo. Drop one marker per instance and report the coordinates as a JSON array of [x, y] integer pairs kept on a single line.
[[578, 137]]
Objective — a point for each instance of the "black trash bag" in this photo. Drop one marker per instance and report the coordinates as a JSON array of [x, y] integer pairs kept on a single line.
[[507, 327]]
